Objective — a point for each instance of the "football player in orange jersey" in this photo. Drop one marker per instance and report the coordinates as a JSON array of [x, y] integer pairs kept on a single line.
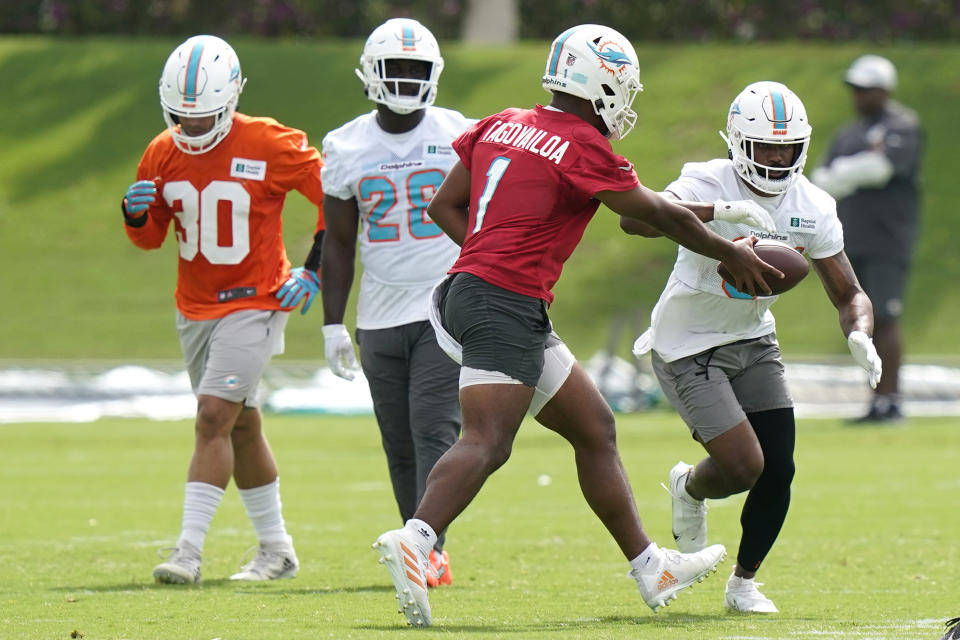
[[220, 178]]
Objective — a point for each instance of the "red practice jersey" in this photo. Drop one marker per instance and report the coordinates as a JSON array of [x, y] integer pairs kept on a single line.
[[226, 206], [534, 173]]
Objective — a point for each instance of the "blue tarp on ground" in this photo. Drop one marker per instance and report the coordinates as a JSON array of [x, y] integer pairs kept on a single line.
[[81, 393]]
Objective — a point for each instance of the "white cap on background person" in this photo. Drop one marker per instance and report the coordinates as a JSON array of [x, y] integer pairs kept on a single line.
[[871, 72]]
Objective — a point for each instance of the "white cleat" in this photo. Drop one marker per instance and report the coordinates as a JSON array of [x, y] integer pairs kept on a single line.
[[689, 514], [742, 595], [671, 572], [400, 554], [181, 567], [272, 562]]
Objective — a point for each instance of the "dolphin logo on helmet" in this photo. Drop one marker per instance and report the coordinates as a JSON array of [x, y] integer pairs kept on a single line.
[[603, 70]]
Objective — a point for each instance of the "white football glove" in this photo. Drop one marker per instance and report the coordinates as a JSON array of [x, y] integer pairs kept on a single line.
[[861, 346], [338, 348], [745, 212]]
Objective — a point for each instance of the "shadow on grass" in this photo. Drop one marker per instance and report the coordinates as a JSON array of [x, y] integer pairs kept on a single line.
[[620, 623], [239, 588]]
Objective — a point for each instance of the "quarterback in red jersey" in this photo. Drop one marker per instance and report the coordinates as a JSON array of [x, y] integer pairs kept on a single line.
[[527, 183], [221, 178]]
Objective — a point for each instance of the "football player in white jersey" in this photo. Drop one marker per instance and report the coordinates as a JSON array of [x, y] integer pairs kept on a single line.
[[380, 171], [715, 349]]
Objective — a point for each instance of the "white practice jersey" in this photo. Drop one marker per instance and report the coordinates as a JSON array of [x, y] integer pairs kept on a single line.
[[698, 310], [393, 178]]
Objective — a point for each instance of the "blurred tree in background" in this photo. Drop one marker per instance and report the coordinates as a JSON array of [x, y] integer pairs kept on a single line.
[[744, 20]]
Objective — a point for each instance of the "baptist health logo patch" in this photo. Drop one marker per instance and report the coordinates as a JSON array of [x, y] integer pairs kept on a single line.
[[431, 149], [803, 223], [248, 169]]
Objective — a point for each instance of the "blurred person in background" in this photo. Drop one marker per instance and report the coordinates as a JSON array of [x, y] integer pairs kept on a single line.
[[220, 179], [715, 349], [872, 168], [380, 171]]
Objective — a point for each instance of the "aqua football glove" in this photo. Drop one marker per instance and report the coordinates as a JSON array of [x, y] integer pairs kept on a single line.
[[140, 196], [302, 284]]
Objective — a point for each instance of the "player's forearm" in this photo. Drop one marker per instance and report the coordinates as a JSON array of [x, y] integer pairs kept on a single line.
[[452, 220], [336, 278], [144, 232], [684, 227], [703, 210], [856, 315], [637, 228], [314, 258]]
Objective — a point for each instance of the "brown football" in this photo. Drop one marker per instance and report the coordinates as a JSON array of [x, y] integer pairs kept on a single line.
[[780, 255]]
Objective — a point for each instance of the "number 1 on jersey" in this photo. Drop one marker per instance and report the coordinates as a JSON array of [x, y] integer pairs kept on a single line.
[[497, 168]]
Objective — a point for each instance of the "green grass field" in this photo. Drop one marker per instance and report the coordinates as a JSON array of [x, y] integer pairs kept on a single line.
[[869, 551], [79, 112]]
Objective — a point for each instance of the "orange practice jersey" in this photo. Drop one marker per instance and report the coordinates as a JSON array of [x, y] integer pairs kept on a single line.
[[225, 205]]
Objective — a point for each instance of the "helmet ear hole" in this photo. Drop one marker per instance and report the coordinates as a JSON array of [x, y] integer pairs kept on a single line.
[[607, 89]]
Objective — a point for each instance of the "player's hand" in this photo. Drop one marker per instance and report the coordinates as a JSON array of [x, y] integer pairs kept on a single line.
[[140, 196], [302, 284], [861, 346], [339, 351], [748, 269], [745, 212]]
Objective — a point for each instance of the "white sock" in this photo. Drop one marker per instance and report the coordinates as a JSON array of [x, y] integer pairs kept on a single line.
[[263, 508], [423, 533], [735, 580], [643, 561], [200, 502]]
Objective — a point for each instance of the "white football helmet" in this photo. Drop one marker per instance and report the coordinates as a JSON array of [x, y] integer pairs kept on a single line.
[[201, 78], [768, 113], [598, 64], [400, 39]]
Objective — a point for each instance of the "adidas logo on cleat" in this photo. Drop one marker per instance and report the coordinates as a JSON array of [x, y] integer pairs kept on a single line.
[[666, 580]]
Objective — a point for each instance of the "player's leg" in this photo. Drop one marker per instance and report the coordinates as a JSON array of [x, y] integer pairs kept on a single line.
[[241, 348], [699, 388], [384, 357], [765, 508], [579, 413], [502, 336], [212, 460], [435, 422], [884, 281], [762, 390], [568, 402], [889, 281], [492, 413]]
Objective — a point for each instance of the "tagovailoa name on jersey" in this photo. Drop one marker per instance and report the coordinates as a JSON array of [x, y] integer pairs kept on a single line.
[[528, 138]]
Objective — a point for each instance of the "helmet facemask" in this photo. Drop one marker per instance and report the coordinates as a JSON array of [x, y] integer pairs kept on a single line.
[[395, 41], [617, 111], [767, 113]]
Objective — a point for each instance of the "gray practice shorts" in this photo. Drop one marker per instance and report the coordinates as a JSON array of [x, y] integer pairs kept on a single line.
[[715, 389], [884, 281], [499, 330], [226, 357]]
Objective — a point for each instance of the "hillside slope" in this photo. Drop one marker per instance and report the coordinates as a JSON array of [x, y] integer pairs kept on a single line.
[[78, 114]]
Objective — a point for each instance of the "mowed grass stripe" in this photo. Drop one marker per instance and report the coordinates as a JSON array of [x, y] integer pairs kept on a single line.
[[869, 549]]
